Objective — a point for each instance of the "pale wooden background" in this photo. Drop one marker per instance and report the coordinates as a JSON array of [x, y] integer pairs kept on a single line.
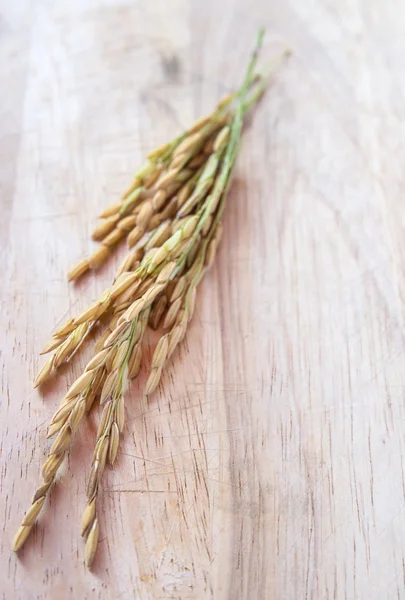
[[270, 464]]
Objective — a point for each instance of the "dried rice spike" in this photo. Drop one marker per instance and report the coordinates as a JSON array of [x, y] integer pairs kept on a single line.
[[189, 247], [71, 413], [79, 328], [111, 423]]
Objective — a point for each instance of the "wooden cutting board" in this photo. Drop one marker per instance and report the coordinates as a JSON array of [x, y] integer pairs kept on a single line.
[[270, 463]]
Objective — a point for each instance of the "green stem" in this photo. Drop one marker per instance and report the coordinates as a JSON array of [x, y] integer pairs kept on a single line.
[[222, 181], [264, 79]]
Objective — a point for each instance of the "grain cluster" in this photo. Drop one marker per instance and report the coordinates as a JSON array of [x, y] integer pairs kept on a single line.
[[170, 217]]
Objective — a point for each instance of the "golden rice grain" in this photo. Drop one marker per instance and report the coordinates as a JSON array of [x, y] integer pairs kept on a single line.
[[97, 360], [114, 443], [134, 236], [77, 414], [52, 344], [121, 355], [113, 238], [121, 331], [105, 415], [111, 210], [104, 227], [21, 536], [120, 413], [78, 270], [109, 385], [80, 384], [172, 313], [159, 199], [64, 410], [50, 466], [158, 308], [153, 381], [62, 440], [33, 512], [100, 254], [44, 372], [88, 517], [91, 544], [135, 362], [160, 353]]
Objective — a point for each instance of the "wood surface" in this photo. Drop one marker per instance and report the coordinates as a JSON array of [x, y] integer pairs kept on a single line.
[[270, 464]]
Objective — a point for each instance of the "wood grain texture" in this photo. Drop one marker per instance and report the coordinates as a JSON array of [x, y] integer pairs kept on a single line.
[[270, 463]]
